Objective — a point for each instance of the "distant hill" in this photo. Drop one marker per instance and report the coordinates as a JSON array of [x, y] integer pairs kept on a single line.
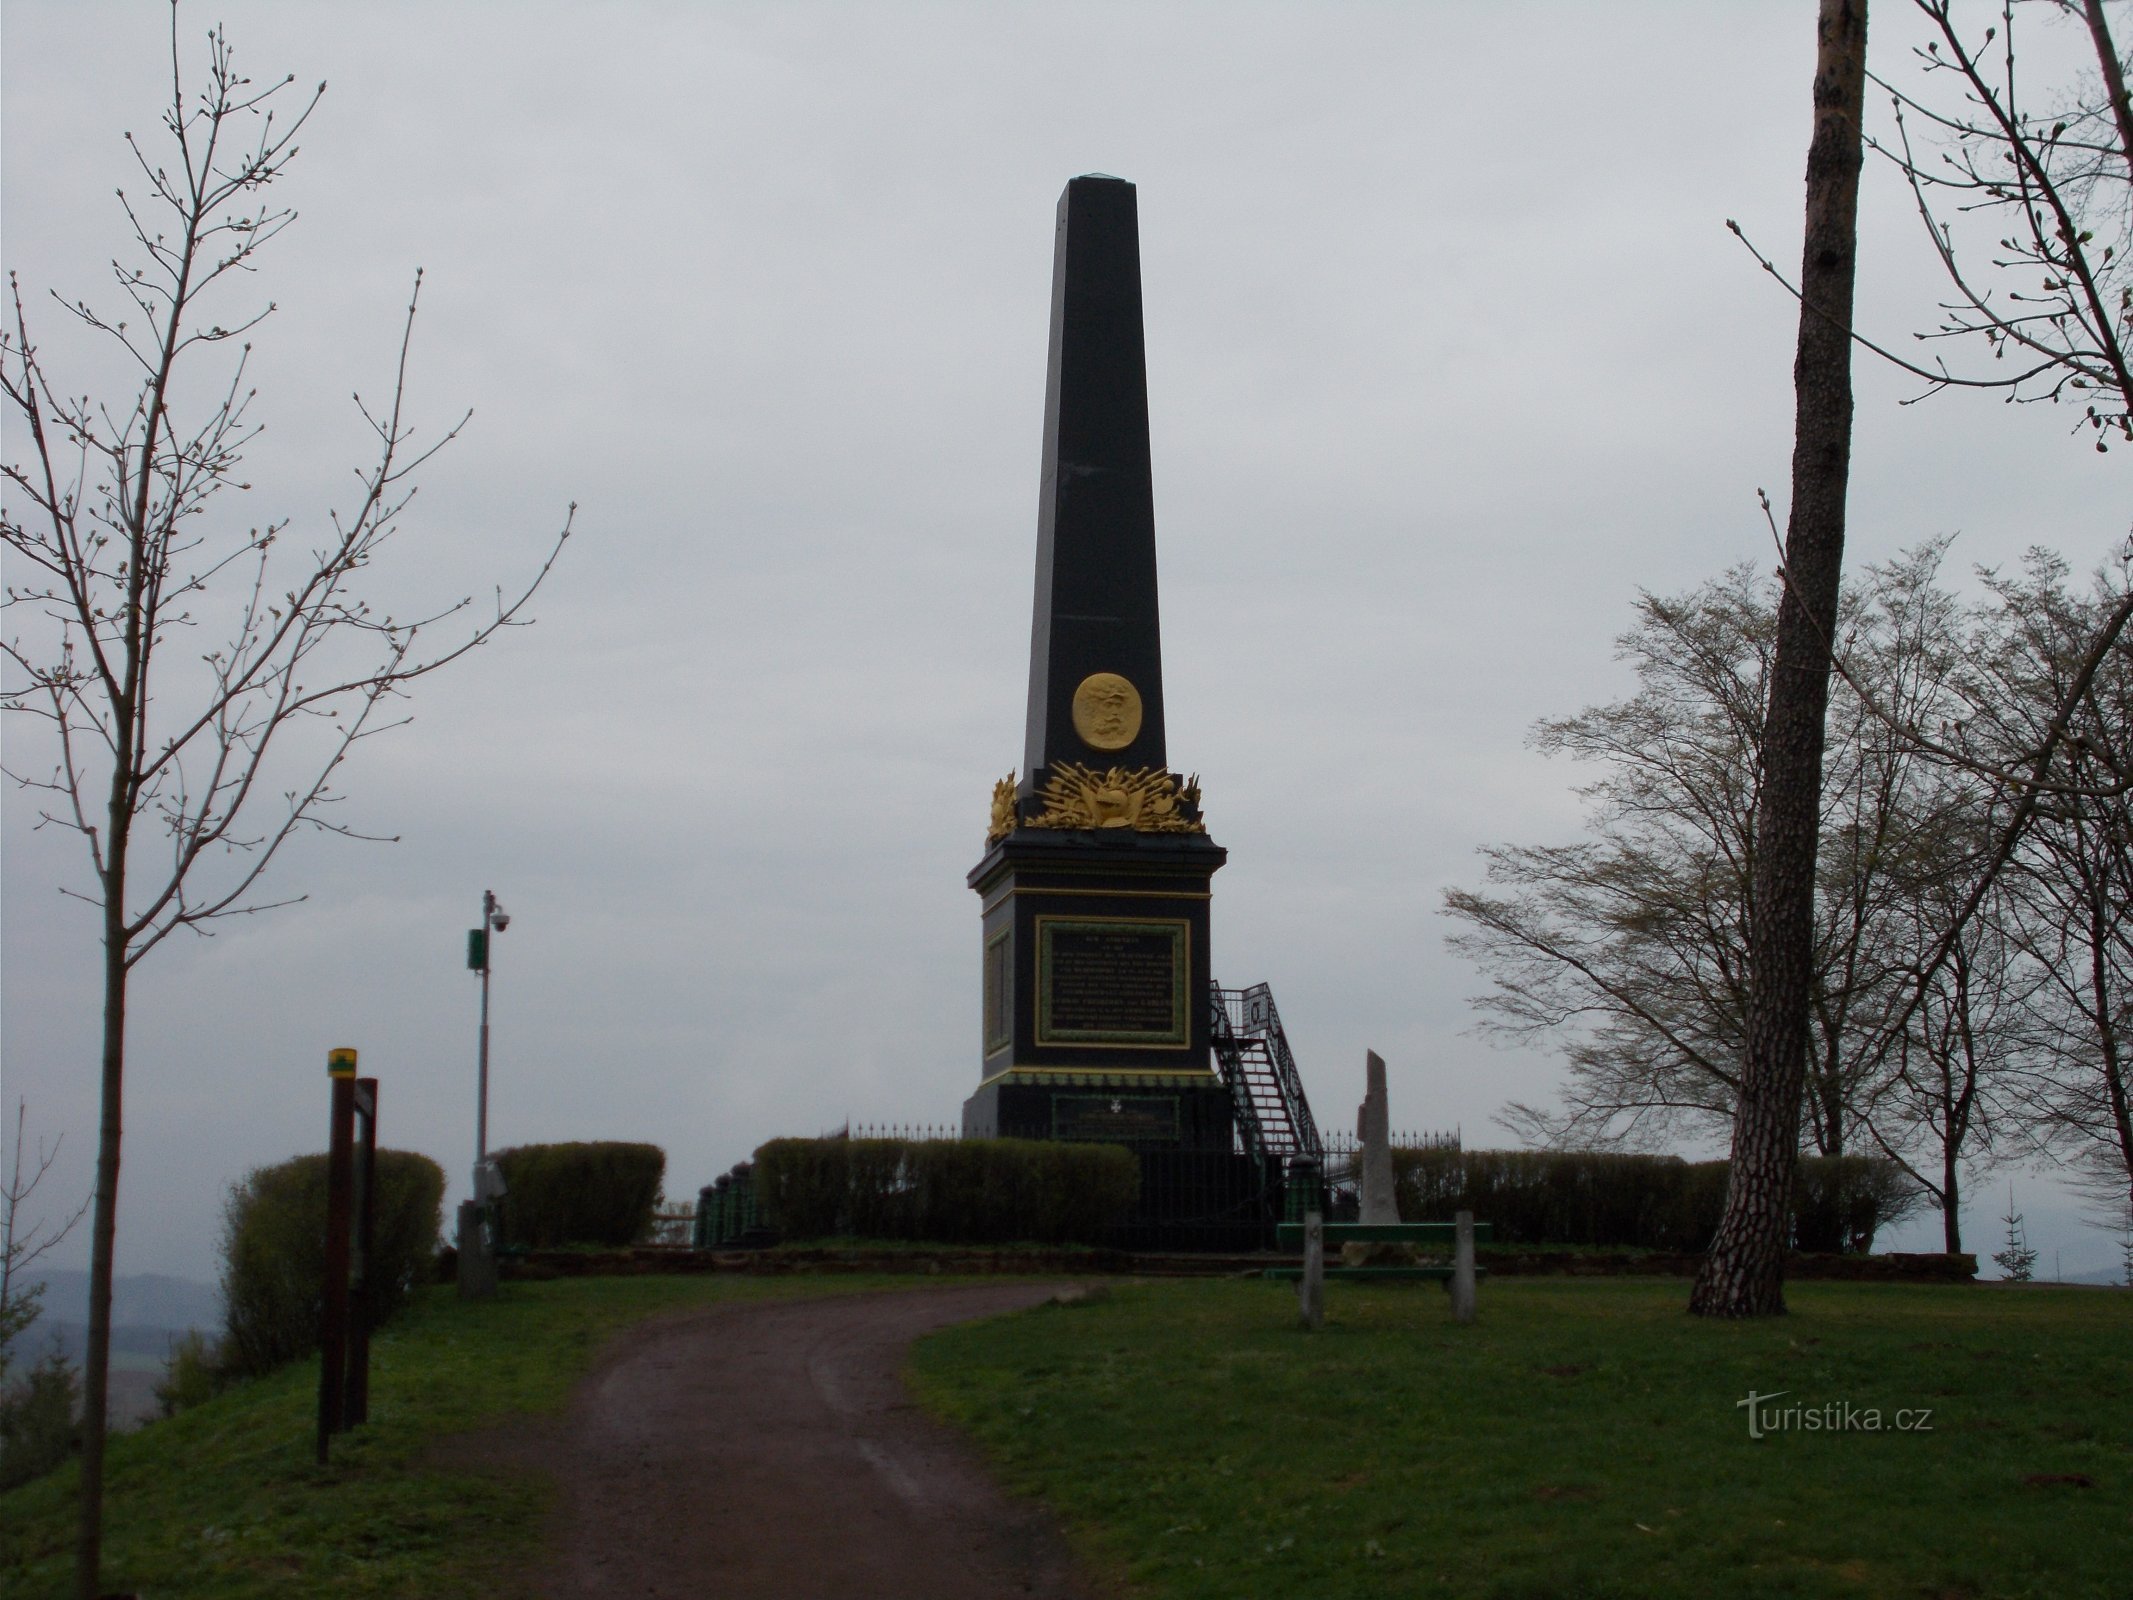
[[138, 1300], [2113, 1276], [149, 1310]]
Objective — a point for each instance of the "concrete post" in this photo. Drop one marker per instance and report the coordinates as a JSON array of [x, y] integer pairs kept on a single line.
[[477, 1267], [1463, 1267], [1311, 1288]]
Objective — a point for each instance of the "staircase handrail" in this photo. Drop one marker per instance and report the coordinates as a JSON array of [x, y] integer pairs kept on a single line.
[[1290, 1079], [1232, 1063]]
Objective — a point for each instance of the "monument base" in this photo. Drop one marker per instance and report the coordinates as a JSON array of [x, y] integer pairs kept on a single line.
[[1143, 1111]]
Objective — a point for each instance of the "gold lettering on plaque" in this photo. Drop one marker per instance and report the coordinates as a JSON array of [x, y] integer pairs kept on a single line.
[[1107, 711]]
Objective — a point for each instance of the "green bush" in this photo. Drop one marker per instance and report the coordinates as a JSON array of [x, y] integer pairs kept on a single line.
[[962, 1191], [1840, 1202], [37, 1426], [588, 1193], [1609, 1200], [274, 1253], [192, 1375]]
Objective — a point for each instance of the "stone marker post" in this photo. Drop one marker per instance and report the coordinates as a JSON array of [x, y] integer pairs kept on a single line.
[[477, 1263], [1311, 1287], [1374, 1132], [1463, 1267]]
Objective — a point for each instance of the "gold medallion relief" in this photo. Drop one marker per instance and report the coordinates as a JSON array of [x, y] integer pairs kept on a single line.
[[1107, 711]]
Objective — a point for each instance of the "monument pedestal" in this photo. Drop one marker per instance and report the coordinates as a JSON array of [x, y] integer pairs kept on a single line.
[[1094, 885], [1096, 1022]]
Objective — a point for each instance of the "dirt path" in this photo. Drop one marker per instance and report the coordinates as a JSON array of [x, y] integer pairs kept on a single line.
[[769, 1452]]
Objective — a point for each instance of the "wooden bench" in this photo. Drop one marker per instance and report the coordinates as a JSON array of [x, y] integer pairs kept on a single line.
[[1439, 1235]]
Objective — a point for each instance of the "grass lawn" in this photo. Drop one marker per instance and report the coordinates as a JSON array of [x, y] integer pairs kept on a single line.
[[227, 1501], [1583, 1438]]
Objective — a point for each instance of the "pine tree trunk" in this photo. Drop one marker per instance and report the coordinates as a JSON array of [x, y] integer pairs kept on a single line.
[[1743, 1274]]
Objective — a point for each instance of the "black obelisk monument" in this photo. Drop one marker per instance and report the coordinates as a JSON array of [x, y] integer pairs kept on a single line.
[[1094, 885]]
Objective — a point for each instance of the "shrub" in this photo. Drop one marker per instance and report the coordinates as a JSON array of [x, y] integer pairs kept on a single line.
[[1610, 1200], [1559, 1197], [37, 1426], [964, 1191], [274, 1253], [588, 1193], [192, 1375], [1840, 1202]]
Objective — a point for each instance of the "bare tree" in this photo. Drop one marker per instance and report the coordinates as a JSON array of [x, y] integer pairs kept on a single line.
[[2050, 299], [2071, 879], [202, 680], [24, 1240], [2028, 209], [2029, 205], [1952, 1098], [1630, 948]]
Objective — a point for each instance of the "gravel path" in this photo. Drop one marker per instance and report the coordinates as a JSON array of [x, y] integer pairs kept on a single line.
[[769, 1452]]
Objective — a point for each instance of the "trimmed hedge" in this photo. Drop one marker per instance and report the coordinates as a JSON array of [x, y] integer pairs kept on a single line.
[[962, 1191], [274, 1253], [581, 1193], [1641, 1202]]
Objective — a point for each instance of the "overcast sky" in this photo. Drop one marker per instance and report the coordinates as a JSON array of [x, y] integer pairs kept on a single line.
[[1449, 354]]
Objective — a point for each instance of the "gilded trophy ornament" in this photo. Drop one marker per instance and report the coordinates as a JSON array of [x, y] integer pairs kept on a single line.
[[1107, 711], [1003, 810], [1145, 799]]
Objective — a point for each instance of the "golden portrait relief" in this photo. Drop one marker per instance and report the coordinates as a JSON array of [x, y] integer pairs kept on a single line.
[[1107, 711]]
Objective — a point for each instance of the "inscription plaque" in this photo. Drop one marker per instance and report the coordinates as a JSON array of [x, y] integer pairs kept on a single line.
[[1116, 1118], [999, 997], [1122, 982]]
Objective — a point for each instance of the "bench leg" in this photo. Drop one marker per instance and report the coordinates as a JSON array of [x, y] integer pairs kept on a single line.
[[1463, 1268], [1311, 1287]]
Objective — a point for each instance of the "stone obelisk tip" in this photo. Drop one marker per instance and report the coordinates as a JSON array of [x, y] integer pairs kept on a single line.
[[1096, 654]]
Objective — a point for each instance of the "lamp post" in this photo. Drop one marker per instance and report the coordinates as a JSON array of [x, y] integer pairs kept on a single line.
[[477, 1255], [494, 918]]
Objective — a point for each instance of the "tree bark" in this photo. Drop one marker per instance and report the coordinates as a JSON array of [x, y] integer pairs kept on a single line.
[[103, 1228], [1743, 1273]]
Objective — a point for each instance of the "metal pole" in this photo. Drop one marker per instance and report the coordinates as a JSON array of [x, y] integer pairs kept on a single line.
[[481, 1115]]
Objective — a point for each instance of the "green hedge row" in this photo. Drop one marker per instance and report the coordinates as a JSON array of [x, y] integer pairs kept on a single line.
[[274, 1253], [1639, 1201], [583, 1193], [970, 1191]]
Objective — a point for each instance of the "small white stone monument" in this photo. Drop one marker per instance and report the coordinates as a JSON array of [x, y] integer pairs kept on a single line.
[[1373, 1132]]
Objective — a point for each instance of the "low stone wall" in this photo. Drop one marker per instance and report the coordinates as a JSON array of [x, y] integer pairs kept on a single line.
[[1898, 1268], [978, 1262]]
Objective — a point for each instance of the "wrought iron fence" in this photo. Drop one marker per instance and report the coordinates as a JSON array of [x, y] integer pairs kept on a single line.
[[904, 1130], [1346, 1144]]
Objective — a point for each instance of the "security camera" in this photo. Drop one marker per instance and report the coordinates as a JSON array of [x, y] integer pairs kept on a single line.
[[502, 921]]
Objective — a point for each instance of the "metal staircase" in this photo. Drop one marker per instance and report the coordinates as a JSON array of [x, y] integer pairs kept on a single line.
[[1273, 1117]]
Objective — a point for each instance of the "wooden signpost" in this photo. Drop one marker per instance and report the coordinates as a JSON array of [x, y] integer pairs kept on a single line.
[[351, 1218]]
